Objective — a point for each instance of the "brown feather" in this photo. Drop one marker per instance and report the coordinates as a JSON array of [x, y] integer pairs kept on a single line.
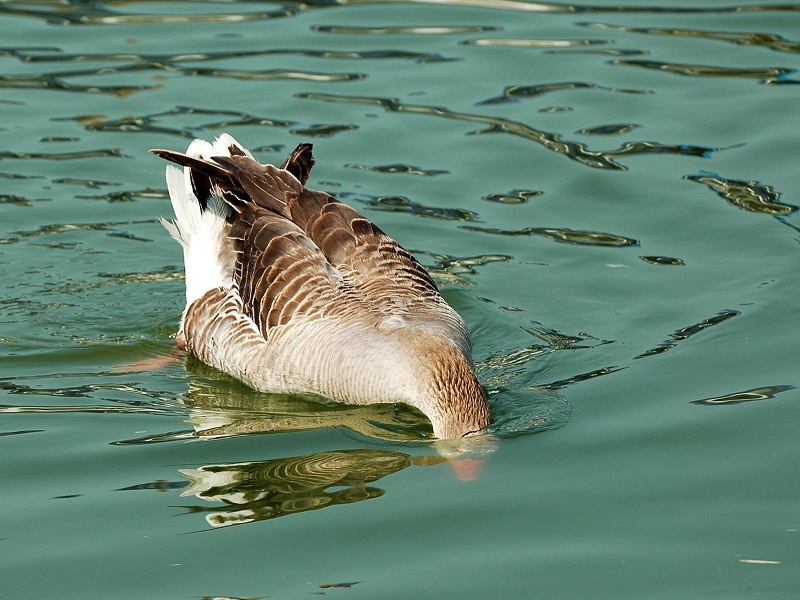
[[299, 162]]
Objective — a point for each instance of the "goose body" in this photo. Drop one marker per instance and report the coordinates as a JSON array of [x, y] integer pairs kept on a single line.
[[290, 290]]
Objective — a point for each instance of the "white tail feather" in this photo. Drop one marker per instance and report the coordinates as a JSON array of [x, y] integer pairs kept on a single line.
[[207, 252]]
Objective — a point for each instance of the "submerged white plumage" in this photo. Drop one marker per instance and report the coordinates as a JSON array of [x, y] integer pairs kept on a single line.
[[290, 290]]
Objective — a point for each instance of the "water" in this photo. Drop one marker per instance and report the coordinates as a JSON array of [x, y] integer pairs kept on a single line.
[[606, 192]]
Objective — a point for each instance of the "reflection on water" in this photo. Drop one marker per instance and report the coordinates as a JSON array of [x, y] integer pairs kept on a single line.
[[752, 196], [761, 393], [154, 122], [533, 43], [564, 235], [573, 8], [258, 490], [91, 13], [612, 129], [75, 155], [112, 228], [220, 408], [405, 205], [686, 332], [398, 168], [402, 30], [118, 398], [56, 13], [322, 130], [562, 383], [576, 151], [20, 432], [513, 197], [772, 75], [514, 93], [252, 75], [452, 270], [663, 260], [175, 63], [741, 38]]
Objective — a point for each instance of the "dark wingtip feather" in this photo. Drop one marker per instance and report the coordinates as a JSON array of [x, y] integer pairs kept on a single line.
[[203, 174], [300, 162]]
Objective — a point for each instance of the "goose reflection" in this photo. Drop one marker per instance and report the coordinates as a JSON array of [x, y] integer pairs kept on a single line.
[[220, 407], [256, 491]]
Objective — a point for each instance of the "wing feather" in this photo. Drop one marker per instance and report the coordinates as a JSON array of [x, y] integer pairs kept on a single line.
[[301, 253]]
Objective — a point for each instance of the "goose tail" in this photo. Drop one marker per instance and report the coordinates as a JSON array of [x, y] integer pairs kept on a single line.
[[201, 224]]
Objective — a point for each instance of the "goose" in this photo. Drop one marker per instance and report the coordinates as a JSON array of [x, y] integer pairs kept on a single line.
[[292, 291]]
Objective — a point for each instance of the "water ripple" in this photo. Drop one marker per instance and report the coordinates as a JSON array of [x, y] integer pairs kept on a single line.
[[162, 61], [740, 38], [52, 81], [105, 14], [611, 129], [153, 122], [576, 151], [15, 200], [515, 93], [403, 30], [752, 196], [767, 75], [663, 260], [322, 129], [760, 393], [451, 270], [20, 432], [405, 205], [154, 401], [686, 332], [564, 235], [75, 155], [516, 196], [398, 168], [532, 43], [99, 13], [562, 383], [558, 7], [250, 75], [133, 63], [111, 228]]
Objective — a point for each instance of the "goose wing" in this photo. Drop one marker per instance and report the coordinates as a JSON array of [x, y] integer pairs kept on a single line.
[[387, 275], [301, 252]]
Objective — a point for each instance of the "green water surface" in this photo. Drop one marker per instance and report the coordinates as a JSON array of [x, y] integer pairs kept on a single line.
[[606, 192]]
